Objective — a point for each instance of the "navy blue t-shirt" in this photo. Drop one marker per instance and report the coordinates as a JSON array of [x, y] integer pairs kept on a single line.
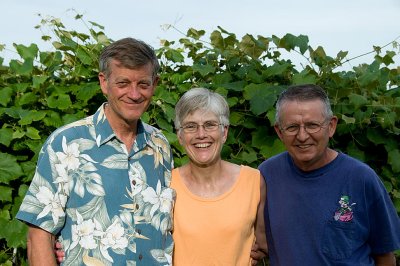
[[339, 214]]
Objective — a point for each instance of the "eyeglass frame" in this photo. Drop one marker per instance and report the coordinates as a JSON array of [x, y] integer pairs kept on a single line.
[[294, 133], [184, 128]]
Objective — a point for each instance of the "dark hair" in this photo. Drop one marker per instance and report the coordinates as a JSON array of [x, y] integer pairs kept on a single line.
[[302, 93], [131, 53]]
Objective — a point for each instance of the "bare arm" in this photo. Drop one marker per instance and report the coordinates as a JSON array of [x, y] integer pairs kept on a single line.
[[40, 246], [386, 259], [260, 249]]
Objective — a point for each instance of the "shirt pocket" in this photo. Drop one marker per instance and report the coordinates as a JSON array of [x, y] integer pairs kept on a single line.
[[338, 239]]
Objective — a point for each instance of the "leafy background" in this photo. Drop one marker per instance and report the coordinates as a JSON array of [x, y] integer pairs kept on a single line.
[[42, 90]]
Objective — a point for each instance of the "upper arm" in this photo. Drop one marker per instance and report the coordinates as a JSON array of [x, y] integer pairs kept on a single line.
[[261, 237], [387, 259], [40, 245]]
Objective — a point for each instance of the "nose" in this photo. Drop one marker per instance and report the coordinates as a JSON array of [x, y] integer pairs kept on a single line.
[[302, 134], [134, 92], [201, 132]]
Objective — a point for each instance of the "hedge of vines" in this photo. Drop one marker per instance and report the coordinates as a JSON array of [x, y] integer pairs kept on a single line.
[[42, 90]]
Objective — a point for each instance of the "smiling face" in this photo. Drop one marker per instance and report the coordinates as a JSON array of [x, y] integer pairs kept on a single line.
[[128, 92], [309, 151], [203, 148]]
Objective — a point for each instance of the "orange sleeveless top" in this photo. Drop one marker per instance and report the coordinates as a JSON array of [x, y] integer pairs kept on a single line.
[[216, 231]]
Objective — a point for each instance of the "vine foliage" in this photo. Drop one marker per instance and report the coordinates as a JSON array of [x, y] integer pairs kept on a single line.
[[42, 90]]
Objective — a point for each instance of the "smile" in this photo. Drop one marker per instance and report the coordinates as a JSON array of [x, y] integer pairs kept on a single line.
[[304, 146], [202, 145]]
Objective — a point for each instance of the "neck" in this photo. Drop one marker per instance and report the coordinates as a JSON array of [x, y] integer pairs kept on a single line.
[[126, 132], [208, 174]]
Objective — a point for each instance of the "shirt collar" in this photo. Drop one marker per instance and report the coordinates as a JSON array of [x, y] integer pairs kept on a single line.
[[104, 132]]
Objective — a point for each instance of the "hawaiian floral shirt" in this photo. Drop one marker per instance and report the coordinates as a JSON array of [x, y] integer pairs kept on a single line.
[[108, 206]]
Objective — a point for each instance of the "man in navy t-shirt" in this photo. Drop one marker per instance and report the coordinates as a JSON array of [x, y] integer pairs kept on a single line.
[[323, 207]]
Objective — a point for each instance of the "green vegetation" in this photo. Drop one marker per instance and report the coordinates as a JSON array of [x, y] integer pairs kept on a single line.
[[42, 90]]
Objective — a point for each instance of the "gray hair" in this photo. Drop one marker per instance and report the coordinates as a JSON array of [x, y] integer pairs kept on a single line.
[[131, 53], [302, 93], [201, 99]]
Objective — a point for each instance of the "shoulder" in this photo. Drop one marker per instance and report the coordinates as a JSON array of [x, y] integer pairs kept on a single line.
[[361, 174], [154, 133], [250, 170], [274, 161], [250, 174], [70, 131], [355, 166]]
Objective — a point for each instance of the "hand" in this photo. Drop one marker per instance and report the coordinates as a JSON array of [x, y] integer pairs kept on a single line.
[[256, 254], [59, 252]]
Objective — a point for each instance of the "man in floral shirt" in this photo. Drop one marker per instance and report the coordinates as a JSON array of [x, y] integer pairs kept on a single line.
[[102, 183]]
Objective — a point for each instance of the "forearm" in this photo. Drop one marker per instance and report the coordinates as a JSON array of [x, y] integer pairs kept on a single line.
[[40, 245], [261, 238], [387, 259]]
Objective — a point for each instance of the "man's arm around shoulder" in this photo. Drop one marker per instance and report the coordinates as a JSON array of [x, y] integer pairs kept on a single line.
[[40, 245], [387, 259]]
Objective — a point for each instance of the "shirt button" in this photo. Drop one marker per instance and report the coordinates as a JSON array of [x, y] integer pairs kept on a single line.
[[140, 257]]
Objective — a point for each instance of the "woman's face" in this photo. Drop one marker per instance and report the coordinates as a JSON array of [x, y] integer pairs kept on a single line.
[[204, 144]]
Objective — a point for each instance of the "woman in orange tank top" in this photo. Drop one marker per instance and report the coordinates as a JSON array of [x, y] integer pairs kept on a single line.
[[218, 213]]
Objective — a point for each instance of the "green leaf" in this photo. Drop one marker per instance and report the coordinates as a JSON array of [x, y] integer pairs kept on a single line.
[[354, 151], [14, 232], [27, 98], [222, 78], [6, 136], [174, 56], [179, 78], [250, 47], [236, 118], [24, 68], [234, 86], [289, 42], [9, 168], [262, 97], [87, 91], [27, 52], [204, 70], [32, 133], [27, 117], [195, 34], [17, 134], [248, 157], [38, 80], [375, 135], [269, 151], [83, 56], [393, 160], [277, 69], [216, 39], [348, 120], [304, 77], [357, 100], [5, 194], [5, 95], [59, 101]]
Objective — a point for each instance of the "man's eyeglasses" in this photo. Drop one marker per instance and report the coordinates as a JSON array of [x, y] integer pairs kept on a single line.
[[310, 128], [207, 126]]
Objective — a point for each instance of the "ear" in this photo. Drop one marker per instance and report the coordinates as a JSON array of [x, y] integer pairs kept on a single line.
[[278, 131], [225, 136], [332, 126], [155, 81], [180, 138], [103, 82]]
